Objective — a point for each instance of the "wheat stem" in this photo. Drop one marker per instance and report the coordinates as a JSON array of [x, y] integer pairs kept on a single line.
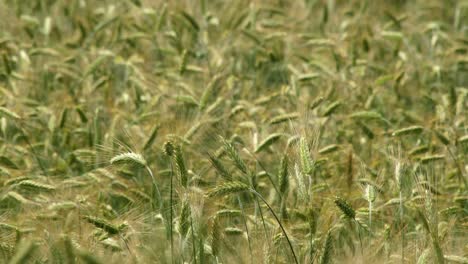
[[279, 223]]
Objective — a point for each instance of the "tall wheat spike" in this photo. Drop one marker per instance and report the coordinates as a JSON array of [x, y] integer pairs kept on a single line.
[[218, 165], [234, 156], [180, 165], [283, 177], [304, 153]]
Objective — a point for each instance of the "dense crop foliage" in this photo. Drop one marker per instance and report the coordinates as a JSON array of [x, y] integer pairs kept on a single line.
[[308, 131]]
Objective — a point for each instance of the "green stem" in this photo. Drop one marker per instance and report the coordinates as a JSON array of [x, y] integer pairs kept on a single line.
[[193, 240], [246, 228], [279, 223], [267, 235], [155, 187], [171, 216], [461, 177], [26, 137]]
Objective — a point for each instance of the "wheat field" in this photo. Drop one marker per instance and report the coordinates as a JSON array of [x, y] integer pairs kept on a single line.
[[214, 131]]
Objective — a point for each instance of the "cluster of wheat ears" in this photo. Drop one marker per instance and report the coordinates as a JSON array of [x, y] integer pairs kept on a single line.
[[212, 131]]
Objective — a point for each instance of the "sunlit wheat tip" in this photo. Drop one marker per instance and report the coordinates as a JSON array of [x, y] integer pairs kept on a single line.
[[407, 131], [7, 112], [228, 188], [129, 158]]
